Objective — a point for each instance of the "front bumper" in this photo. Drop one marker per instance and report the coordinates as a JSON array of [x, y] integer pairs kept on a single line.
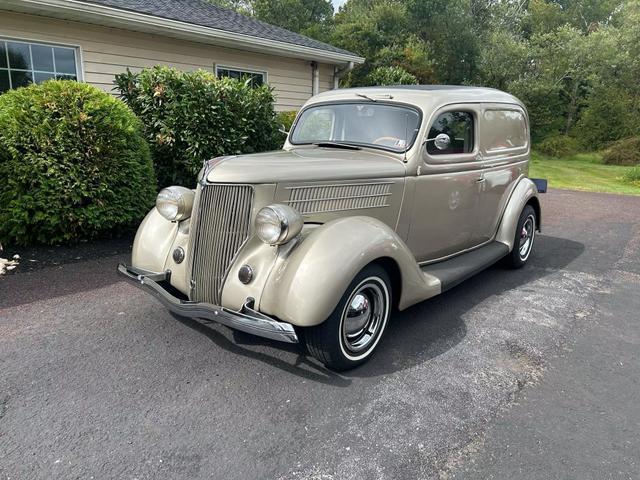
[[246, 320]]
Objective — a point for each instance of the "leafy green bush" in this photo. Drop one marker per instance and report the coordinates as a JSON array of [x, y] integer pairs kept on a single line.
[[558, 146], [73, 164], [633, 175], [623, 152], [190, 117], [390, 76], [286, 119]]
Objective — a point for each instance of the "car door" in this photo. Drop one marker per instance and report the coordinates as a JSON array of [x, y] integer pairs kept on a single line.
[[505, 154], [446, 189]]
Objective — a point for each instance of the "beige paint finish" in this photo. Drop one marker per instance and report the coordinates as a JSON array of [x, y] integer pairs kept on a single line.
[[444, 214], [495, 190], [261, 257], [459, 198], [524, 192], [307, 284], [106, 52], [324, 201], [363, 206], [153, 242], [304, 164]]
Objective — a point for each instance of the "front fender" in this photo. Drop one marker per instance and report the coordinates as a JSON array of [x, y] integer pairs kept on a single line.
[[524, 192], [153, 242], [155, 239], [305, 286]]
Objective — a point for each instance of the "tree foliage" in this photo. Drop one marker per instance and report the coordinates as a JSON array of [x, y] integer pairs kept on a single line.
[[391, 76], [574, 63]]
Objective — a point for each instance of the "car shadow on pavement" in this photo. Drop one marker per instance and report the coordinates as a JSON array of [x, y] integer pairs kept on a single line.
[[417, 334], [304, 366]]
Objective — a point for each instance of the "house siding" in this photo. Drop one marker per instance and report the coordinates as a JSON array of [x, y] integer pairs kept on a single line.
[[108, 51]]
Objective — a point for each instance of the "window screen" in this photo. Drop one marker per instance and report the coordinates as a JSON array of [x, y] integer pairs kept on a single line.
[[459, 126], [22, 63]]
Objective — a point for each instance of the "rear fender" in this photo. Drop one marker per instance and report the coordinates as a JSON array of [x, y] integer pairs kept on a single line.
[[524, 193]]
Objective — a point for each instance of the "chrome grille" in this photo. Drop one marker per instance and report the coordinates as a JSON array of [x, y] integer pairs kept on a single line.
[[219, 227], [335, 198]]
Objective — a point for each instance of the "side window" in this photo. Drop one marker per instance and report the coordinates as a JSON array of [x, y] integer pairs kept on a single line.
[[506, 129], [460, 129]]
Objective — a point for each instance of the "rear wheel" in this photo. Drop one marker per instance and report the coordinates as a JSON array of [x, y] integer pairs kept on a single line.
[[524, 238], [350, 335]]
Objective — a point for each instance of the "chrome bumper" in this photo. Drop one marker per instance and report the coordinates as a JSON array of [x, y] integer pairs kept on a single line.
[[246, 320]]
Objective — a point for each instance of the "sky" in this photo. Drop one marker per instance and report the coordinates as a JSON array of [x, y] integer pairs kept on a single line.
[[337, 3]]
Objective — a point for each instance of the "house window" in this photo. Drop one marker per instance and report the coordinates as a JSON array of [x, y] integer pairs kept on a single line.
[[22, 63], [257, 78]]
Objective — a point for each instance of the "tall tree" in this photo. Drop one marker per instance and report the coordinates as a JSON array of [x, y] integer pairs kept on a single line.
[[296, 15]]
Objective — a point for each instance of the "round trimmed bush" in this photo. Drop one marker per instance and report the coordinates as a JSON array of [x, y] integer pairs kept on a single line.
[[73, 163], [558, 146], [623, 152]]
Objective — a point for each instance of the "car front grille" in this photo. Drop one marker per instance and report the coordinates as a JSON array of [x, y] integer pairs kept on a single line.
[[220, 225]]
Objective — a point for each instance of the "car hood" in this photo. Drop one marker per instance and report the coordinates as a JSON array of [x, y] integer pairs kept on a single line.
[[304, 164]]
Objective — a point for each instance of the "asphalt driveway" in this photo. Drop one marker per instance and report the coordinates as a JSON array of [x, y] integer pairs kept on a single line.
[[514, 374]]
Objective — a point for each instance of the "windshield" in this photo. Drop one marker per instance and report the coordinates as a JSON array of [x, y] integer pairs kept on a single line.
[[378, 125]]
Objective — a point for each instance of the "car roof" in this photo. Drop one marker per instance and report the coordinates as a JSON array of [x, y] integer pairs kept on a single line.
[[424, 96]]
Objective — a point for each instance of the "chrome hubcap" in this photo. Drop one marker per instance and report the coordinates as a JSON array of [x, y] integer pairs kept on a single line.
[[364, 317], [526, 237]]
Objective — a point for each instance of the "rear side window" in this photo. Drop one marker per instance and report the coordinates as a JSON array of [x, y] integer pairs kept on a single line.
[[505, 129], [460, 129]]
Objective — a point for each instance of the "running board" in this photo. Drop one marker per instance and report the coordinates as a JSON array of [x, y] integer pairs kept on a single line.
[[457, 269]]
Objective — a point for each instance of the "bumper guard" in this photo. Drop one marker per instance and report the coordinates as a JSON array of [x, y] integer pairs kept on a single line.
[[247, 319]]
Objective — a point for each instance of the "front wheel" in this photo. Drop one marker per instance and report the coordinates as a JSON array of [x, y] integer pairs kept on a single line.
[[350, 335], [524, 238]]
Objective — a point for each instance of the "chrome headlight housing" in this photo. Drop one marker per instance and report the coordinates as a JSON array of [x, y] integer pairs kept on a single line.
[[277, 224], [175, 203]]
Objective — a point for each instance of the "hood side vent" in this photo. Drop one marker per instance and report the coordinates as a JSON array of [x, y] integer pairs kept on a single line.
[[311, 199]]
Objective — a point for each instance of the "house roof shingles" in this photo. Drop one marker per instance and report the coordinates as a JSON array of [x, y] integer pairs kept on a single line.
[[205, 14]]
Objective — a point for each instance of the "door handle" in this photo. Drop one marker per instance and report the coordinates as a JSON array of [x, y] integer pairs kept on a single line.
[[480, 180]]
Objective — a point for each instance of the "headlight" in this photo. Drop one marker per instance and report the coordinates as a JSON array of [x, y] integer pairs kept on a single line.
[[277, 224], [175, 203]]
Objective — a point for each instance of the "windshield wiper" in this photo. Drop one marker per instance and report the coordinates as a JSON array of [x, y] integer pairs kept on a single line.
[[362, 95], [337, 145]]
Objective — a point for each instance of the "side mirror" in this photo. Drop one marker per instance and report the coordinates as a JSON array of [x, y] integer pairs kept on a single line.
[[441, 141]]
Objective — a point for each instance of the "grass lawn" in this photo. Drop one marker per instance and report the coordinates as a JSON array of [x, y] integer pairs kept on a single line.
[[584, 171]]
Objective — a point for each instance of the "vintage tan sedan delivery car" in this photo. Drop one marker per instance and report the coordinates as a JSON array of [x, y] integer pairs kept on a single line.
[[380, 198]]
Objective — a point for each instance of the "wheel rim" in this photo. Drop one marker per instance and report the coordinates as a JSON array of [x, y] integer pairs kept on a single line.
[[364, 317], [527, 235]]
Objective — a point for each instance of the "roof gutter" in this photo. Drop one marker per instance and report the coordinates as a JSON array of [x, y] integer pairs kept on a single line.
[[114, 17]]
